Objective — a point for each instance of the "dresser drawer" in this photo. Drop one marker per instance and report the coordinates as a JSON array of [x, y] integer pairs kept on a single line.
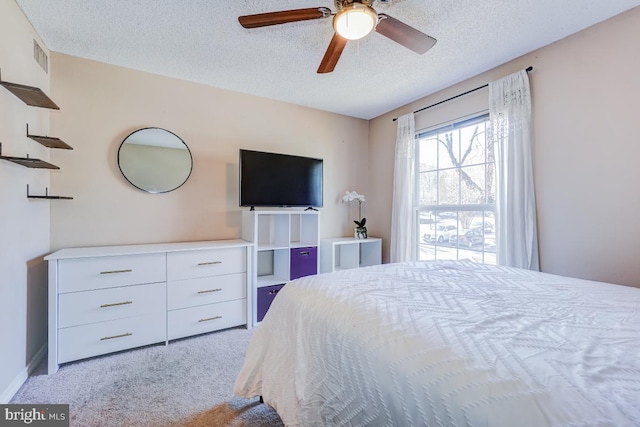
[[79, 308], [205, 290], [79, 342], [82, 274], [212, 262], [206, 318]]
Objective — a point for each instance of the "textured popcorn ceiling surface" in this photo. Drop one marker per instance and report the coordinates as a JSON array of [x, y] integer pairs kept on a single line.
[[201, 41]]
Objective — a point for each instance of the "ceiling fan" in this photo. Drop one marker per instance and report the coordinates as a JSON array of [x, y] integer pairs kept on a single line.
[[353, 20]]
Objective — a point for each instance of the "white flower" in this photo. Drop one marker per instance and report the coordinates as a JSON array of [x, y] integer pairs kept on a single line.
[[350, 196]]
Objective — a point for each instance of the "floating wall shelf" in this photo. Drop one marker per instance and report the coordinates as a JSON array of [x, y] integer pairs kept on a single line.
[[49, 141], [28, 162], [46, 195], [30, 95], [35, 97]]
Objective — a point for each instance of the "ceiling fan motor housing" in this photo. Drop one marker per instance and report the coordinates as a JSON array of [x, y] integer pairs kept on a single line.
[[341, 4]]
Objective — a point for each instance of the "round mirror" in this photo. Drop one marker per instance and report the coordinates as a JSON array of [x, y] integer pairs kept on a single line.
[[155, 160]]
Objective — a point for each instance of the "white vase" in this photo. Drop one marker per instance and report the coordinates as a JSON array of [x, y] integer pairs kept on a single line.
[[360, 233]]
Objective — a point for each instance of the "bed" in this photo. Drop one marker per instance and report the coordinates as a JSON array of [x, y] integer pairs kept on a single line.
[[448, 343]]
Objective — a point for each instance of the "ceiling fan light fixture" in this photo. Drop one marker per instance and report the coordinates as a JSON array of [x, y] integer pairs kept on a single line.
[[355, 21]]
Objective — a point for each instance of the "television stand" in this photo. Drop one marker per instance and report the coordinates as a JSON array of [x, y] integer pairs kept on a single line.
[[311, 209]]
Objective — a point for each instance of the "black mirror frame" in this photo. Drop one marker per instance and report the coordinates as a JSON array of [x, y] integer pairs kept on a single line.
[[142, 189]]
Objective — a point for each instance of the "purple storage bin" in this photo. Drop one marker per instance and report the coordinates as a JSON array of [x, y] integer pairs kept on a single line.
[[304, 262], [266, 295]]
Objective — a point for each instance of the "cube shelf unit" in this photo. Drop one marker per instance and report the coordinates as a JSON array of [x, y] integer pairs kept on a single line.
[[285, 247], [343, 253]]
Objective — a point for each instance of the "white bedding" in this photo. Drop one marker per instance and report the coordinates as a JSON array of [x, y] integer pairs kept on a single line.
[[448, 344]]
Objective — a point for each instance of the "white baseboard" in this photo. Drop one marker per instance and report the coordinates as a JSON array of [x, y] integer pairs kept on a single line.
[[17, 382]]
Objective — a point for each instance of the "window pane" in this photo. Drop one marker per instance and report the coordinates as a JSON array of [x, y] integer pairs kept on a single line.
[[428, 188], [446, 253], [484, 224], [472, 184], [468, 219], [448, 150], [472, 143], [426, 222], [469, 235], [428, 154], [449, 217], [475, 256], [448, 187], [446, 225]]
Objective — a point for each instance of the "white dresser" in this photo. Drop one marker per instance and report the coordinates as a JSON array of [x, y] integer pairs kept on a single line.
[[112, 298]]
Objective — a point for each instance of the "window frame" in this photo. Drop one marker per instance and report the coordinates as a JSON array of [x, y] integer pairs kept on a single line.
[[480, 117]]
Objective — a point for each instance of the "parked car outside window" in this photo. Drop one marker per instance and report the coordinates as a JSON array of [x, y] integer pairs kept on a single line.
[[468, 238], [441, 233]]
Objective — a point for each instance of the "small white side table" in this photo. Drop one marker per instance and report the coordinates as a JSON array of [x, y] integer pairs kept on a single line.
[[342, 253]]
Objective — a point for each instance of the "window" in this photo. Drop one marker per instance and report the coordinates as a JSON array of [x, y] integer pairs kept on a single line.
[[456, 192]]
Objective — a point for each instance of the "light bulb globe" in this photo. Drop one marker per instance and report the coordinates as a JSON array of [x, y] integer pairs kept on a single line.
[[355, 21]]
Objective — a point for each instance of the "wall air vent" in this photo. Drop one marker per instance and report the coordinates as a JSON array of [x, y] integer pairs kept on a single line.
[[40, 57]]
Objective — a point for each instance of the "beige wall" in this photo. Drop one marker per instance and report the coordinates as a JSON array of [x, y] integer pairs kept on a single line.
[[102, 104], [24, 223], [585, 92]]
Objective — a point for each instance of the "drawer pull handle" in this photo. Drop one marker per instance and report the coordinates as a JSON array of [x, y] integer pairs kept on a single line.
[[210, 290], [128, 334], [304, 253], [210, 263], [116, 271], [273, 292], [116, 304], [210, 318]]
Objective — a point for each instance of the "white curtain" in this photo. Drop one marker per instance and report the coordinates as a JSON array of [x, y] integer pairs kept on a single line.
[[511, 132], [402, 214]]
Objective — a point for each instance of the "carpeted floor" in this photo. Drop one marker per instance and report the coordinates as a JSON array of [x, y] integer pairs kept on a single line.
[[187, 383]]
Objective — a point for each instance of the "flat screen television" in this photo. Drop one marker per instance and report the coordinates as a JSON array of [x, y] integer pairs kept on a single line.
[[279, 180]]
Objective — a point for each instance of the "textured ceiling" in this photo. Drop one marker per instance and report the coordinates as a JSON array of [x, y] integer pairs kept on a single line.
[[201, 41]]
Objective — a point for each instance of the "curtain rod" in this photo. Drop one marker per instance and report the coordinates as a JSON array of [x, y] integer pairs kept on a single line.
[[457, 96]]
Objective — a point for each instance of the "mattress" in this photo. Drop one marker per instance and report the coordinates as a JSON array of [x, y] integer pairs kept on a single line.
[[448, 343]]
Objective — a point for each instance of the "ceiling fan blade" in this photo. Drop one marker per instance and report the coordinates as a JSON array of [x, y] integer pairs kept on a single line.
[[404, 34], [283, 17], [331, 56]]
